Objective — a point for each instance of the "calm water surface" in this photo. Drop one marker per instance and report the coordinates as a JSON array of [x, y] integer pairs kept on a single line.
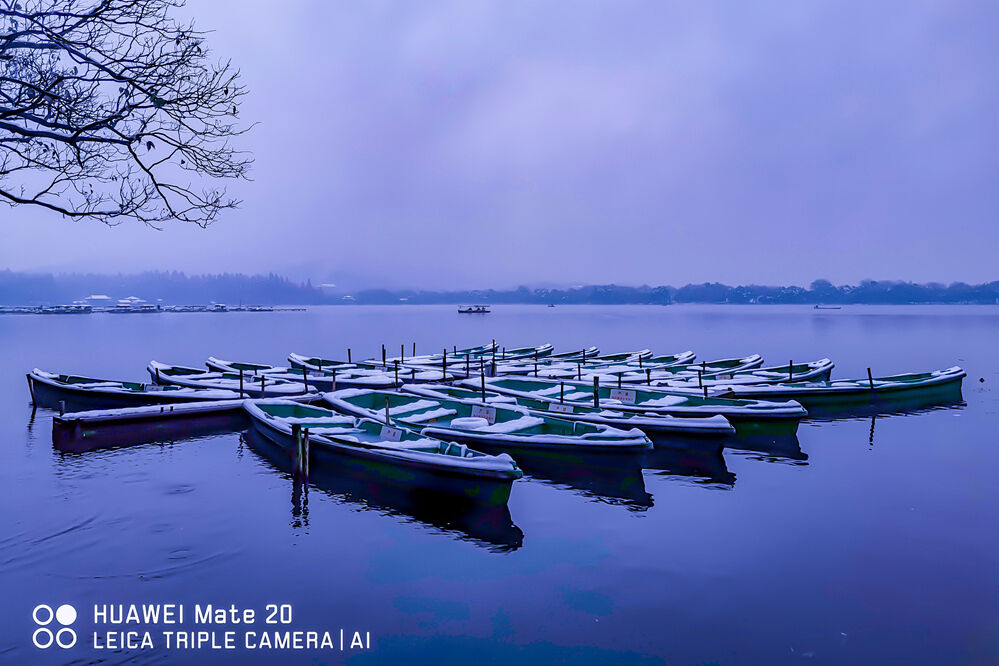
[[870, 541]]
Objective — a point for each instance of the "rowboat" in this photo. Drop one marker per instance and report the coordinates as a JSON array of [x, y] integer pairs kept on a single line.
[[327, 380], [908, 390], [490, 427], [749, 417], [623, 357], [652, 425], [75, 392], [261, 386], [435, 359], [585, 353], [407, 372], [483, 525], [393, 455], [317, 364], [640, 369], [819, 370], [665, 360]]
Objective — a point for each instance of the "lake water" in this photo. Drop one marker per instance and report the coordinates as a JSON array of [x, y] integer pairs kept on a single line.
[[870, 541]]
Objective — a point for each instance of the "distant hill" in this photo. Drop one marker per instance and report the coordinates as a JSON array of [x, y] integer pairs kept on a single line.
[[271, 289]]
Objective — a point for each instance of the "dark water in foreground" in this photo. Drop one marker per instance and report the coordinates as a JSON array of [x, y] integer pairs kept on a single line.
[[875, 542]]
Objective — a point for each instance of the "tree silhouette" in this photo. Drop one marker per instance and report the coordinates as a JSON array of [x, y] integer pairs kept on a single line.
[[112, 110]]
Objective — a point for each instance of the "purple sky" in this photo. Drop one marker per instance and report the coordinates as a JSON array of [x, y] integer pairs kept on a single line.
[[467, 144]]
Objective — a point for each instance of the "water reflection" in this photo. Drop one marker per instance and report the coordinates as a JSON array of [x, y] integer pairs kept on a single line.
[[777, 449], [491, 527], [608, 478], [704, 467]]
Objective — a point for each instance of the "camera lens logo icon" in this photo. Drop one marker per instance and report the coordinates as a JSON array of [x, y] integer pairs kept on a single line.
[[44, 637]]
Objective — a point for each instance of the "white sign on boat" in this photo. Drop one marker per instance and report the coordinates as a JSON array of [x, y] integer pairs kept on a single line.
[[483, 412], [390, 434], [623, 395]]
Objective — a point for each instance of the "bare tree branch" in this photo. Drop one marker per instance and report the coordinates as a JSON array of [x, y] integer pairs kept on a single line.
[[112, 110]]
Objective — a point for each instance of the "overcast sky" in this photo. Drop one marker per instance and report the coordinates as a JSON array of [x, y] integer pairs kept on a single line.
[[473, 144]]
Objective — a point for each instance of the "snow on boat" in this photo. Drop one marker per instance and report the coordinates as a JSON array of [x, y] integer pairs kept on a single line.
[[435, 359], [819, 370], [492, 427], [394, 455], [49, 389], [623, 357], [260, 386], [909, 390], [666, 360], [652, 425], [321, 381], [746, 416], [582, 354], [407, 372]]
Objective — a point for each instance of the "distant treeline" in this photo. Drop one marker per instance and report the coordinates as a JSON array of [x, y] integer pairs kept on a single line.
[[168, 287], [820, 291], [271, 289]]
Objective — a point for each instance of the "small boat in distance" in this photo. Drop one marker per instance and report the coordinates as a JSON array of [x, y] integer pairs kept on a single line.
[[828, 307], [473, 309]]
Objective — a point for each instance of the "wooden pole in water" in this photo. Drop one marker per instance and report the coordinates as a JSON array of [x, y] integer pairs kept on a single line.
[[870, 379], [305, 378], [619, 379], [383, 357], [483, 377], [241, 383], [387, 420], [561, 392], [700, 381], [263, 380], [579, 372], [414, 348], [414, 375], [705, 391], [504, 353], [402, 352], [444, 366], [319, 362], [535, 367], [296, 436], [648, 376], [596, 391], [790, 370], [466, 365], [348, 355], [333, 380], [305, 454], [493, 374], [639, 360], [397, 372]]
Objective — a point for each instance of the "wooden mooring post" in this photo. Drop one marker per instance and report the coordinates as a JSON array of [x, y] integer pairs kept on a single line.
[[596, 391]]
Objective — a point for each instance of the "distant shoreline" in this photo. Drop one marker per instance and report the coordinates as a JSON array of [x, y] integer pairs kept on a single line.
[[177, 289]]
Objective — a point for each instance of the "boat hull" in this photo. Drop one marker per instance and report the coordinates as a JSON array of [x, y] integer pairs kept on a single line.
[[821, 402], [48, 395]]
